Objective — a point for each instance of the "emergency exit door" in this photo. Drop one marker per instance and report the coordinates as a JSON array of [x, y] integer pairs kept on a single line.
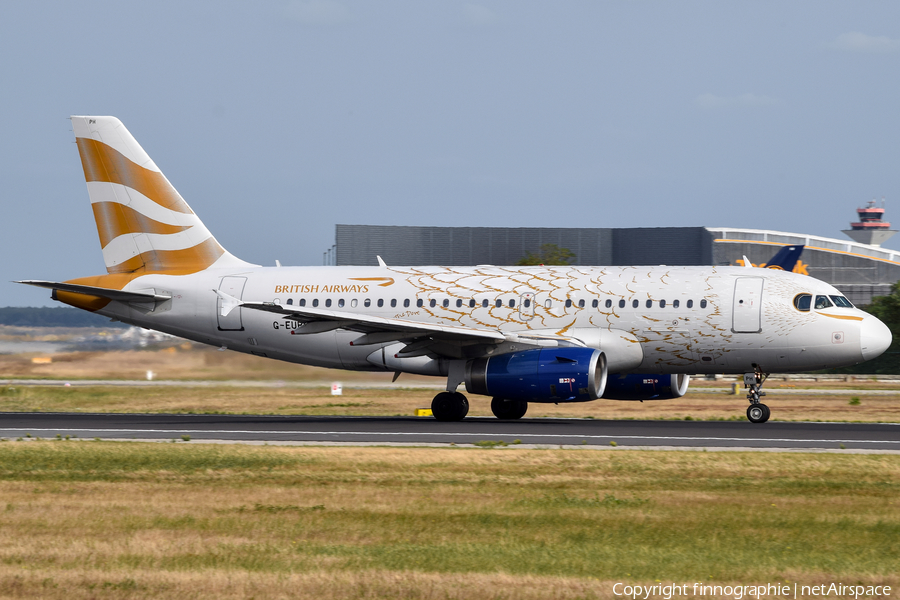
[[747, 312], [526, 306]]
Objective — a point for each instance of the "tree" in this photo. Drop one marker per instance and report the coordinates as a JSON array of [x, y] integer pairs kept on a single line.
[[550, 254]]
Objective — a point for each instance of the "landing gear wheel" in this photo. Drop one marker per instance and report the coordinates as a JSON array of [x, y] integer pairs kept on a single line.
[[508, 409], [450, 406], [758, 413]]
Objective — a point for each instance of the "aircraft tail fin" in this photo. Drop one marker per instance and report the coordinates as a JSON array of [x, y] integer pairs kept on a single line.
[[786, 258], [143, 222]]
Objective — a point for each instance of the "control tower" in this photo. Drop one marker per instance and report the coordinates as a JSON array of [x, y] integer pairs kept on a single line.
[[870, 229]]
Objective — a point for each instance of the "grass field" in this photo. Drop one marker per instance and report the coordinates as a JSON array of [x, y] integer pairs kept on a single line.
[[81, 519], [193, 363], [403, 401]]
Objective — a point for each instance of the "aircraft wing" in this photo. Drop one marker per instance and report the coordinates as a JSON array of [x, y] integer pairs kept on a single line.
[[421, 337], [117, 295]]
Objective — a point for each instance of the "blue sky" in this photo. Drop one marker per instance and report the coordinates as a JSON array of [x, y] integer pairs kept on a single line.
[[277, 120]]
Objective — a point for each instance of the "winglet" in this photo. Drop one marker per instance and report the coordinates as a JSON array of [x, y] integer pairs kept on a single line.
[[747, 262], [381, 262], [229, 303]]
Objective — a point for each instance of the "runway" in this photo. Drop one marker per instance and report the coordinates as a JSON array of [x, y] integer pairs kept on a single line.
[[425, 430]]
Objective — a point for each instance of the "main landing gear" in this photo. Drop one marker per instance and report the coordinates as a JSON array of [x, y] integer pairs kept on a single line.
[[757, 412], [506, 409], [450, 406]]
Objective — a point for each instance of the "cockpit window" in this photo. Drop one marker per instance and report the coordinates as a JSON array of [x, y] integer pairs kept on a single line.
[[802, 302], [841, 301], [823, 302]]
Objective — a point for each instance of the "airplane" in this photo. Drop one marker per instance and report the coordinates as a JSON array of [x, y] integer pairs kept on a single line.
[[786, 259], [519, 335]]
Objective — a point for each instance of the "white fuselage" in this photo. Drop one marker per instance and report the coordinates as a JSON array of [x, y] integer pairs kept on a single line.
[[646, 319]]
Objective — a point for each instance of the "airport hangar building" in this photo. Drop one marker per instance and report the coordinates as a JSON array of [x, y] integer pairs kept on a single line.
[[860, 271]]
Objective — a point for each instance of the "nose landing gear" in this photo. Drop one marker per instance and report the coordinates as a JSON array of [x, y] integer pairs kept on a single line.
[[757, 412]]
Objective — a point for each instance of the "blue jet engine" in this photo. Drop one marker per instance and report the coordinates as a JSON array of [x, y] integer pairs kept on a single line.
[[540, 375], [637, 386]]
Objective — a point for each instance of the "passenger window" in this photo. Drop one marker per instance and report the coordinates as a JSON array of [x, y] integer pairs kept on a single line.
[[568, 303], [498, 303], [302, 302], [420, 303], [823, 302], [838, 301], [341, 303], [635, 304], [703, 303], [353, 303], [581, 303], [608, 303], [328, 303], [290, 301], [527, 303], [380, 302], [662, 303], [690, 304], [367, 303], [315, 302], [445, 303], [595, 303], [548, 303], [484, 303], [649, 303], [675, 303], [472, 303], [459, 304], [393, 302], [622, 303], [802, 302], [406, 303], [512, 303], [433, 303]]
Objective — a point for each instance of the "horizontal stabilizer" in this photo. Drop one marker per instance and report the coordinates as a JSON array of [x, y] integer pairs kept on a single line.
[[89, 290]]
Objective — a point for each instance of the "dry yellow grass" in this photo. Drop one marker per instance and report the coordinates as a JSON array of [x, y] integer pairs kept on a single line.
[[107, 520], [198, 363], [176, 362], [290, 400]]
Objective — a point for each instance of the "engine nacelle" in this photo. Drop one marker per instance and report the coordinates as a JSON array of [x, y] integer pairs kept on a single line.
[[540, 375], [389, 358], [635, 386]]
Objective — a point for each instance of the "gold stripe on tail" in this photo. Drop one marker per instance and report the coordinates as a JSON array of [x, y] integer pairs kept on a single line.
[[115, 219], [173, 262], [103, 163]]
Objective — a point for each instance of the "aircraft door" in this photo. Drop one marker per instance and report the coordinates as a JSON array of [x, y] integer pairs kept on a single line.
[[526, 306], [233, 286], [747, 309]]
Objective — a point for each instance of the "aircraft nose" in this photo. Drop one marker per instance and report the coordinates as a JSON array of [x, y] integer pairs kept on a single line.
[[874, 338]]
